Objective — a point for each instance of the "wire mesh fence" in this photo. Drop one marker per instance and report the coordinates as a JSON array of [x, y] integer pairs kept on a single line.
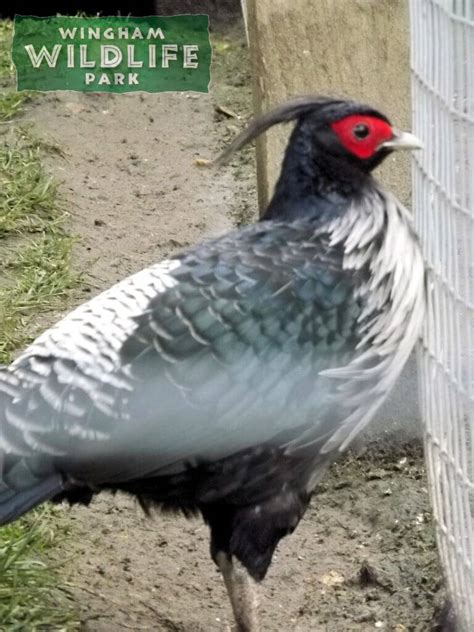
[[442, 38]]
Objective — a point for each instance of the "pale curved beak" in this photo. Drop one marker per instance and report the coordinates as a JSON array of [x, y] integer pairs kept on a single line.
[[402, 140]]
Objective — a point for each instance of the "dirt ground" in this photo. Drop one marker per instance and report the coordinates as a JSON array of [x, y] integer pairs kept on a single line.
[[364, 557]]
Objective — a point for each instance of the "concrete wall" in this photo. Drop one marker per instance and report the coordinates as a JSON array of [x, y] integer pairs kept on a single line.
[[354, 48]]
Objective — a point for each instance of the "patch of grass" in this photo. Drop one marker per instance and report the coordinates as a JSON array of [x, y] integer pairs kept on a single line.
[[33, 245], [10, 102], [35, 251], [30, 597], [6, 33], [42, 277], [27, 195]]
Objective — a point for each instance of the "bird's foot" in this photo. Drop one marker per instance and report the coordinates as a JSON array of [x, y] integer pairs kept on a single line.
[[242, 591]]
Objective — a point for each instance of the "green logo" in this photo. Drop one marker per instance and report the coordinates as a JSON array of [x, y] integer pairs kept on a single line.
[[112, 54]]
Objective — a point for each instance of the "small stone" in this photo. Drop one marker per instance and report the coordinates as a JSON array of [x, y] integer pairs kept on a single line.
[[333, 578]]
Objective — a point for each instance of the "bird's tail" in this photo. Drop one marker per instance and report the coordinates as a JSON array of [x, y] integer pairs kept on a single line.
[[23, 483], [16, 501]]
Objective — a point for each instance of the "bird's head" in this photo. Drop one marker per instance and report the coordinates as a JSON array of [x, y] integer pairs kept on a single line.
[[334, 145], [353, 133]]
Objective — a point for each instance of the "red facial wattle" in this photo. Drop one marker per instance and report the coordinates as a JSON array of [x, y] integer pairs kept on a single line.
[[379, 131]]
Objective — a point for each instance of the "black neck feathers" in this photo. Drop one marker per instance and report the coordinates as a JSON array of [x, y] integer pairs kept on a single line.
[[315, 182]]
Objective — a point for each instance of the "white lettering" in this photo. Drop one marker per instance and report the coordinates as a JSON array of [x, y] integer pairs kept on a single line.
[[94, 33], [104, 79], [190, 56], [70, 55], [169, 54], [132, 62], [84, 62], [137, 34], [67, 33], [155, 34], [152, 56], [110, 56], [37, 58]]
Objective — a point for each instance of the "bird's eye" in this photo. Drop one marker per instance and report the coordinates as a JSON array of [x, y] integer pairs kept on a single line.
[[361, 130]]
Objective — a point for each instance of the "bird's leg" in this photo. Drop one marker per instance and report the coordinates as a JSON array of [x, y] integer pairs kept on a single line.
[[242, 591]]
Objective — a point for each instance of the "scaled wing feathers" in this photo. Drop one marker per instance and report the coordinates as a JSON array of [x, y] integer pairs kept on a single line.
[[236, 343]]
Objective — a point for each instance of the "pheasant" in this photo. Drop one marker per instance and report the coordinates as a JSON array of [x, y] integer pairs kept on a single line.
[[225, 380]]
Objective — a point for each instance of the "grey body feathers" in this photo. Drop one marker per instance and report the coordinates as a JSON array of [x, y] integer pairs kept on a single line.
[[284, 334]]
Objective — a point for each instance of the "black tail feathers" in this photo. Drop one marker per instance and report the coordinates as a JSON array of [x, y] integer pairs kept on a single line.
[[16, 502]]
